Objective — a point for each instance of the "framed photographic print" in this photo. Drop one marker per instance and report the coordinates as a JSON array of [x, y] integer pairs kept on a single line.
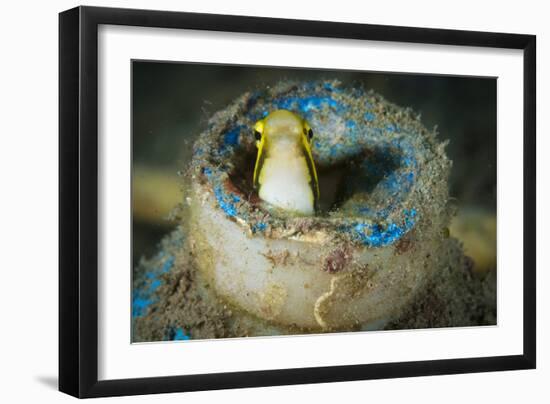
[[252, 201]]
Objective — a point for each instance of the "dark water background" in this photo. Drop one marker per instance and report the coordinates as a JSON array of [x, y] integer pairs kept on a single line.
[[172, 103]]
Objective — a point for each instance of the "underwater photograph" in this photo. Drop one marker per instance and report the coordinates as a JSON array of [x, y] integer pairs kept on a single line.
[[271, 201]]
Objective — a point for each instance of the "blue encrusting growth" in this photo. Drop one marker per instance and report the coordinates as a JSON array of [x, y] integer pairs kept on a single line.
[[347, 127], [231, 138], [306, 105], [261, 226], [180, 335], [226, 200], [177, 334], [369, 116], [144, 296], [376, 235]]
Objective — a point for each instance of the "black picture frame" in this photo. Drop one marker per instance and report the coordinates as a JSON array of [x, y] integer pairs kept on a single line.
[[78, 201]]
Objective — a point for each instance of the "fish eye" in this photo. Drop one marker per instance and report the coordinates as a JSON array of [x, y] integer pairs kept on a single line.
[[310, 134], [257, 135]]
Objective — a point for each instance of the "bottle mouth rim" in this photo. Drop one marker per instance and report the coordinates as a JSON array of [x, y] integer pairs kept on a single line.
[[370, 137]]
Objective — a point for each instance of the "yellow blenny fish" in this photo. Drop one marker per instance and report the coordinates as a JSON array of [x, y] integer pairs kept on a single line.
[[284, 174]]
